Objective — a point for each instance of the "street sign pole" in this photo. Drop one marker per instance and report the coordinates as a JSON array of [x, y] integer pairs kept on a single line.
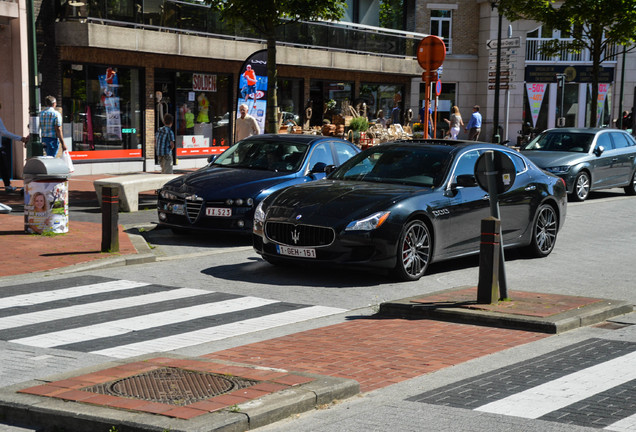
[[496, 138]]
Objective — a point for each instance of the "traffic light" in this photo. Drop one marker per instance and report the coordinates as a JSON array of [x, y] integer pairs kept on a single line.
[[560, 80]]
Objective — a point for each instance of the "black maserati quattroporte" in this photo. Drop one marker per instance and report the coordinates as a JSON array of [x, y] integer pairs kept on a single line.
[[402, 205]]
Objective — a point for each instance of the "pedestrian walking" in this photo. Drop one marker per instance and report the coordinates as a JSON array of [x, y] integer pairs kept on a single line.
[[455, 122], [246, 125], [165, 144], [51, 128], [474, 124], [5, 154]]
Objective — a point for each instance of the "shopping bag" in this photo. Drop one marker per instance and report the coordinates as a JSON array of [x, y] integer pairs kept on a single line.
[[67, 159]]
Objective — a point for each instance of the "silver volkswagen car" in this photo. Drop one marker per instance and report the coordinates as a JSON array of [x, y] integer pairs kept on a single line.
[[587, 159]]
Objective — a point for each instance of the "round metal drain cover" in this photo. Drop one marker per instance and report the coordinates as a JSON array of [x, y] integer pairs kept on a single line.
[[172, 386]]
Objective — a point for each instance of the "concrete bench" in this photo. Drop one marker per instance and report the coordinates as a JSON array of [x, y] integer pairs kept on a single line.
[[130, 186]]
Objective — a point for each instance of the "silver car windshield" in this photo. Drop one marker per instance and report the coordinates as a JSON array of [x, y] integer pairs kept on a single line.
[[562, 142], [409, 166], [264, 155]]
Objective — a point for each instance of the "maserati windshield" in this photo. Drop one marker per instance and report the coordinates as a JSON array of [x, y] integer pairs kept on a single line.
[[401, 165]]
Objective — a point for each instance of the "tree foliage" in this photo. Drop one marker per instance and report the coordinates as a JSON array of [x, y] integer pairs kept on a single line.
[[266, 17], [595, 25]]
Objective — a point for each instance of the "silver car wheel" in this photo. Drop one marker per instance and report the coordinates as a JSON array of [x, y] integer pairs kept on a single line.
[[545, 232], [414, 251], [582, 186]]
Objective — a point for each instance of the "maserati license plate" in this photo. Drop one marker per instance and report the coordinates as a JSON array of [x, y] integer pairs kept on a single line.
[[297, 252]]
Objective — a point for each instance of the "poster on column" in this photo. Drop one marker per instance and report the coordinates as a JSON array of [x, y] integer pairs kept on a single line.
[[600, 106], [536, 91], [252, 87], [109, 85]]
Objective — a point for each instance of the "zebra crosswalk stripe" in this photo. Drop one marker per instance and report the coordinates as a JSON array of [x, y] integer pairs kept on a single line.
[[218, 333], [545, 398], [628, 424], [118, 327], [120, 318], [67, 293]]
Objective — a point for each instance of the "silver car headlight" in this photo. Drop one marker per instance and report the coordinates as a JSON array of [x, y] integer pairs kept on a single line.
[[166, 194], [368, 223], [558, 169], [259, 214]]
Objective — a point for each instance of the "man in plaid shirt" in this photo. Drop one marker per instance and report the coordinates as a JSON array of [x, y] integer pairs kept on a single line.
[[51, 127], [164, 144]]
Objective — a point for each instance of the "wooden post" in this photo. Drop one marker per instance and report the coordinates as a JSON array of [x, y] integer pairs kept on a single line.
[[488, 288]]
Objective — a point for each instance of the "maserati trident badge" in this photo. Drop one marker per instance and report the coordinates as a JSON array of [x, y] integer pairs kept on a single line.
[[295, 235]]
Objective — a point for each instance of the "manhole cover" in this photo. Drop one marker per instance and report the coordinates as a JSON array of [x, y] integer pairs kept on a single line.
[[172, 386]]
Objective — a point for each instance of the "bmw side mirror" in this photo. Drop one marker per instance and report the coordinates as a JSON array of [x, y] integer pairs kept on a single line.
[[599, 150], [211, 158]]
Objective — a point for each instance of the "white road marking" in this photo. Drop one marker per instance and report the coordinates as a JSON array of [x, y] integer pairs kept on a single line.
[[551, 396], [628, 424], [66, 293], [174, 342], [14, 321], [123, 326]]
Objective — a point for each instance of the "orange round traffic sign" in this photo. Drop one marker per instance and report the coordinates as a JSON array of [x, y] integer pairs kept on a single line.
[[431, 53]]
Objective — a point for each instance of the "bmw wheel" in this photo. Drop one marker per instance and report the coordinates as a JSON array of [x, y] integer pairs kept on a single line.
[[630, 189], [414, 251], [544, 231], [581, 186]]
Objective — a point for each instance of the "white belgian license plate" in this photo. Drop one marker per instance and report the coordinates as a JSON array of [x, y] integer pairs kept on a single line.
[[297, 252], [218, 211]]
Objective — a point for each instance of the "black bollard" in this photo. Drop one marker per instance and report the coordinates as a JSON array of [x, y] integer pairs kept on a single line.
[[488, 288], [110, 219]]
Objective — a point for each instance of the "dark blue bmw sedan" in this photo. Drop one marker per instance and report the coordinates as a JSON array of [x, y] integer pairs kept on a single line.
[[223, 195]]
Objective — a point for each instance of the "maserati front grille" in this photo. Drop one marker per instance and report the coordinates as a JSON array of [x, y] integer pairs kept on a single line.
[[299, 235]]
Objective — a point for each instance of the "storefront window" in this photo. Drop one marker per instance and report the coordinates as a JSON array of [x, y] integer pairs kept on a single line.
[[603, 105], [290, 100], [202, 120], [328, 99], [101, 111], [380, 97]]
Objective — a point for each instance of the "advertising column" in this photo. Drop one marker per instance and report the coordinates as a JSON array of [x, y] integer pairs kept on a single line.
[[252, 87]]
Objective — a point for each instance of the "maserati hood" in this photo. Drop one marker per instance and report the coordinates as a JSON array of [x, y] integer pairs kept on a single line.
[[335, 200]]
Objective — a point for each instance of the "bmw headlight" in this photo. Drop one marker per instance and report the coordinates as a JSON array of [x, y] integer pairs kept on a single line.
[[558, 169], [368, 223], [259, 214]]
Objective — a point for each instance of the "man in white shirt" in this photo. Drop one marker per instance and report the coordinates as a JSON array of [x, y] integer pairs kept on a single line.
[[246, 125]]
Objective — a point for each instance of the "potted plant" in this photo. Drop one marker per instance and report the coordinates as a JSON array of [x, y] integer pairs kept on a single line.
[[357, 125]]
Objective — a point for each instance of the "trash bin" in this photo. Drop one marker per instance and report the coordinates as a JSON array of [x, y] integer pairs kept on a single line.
[[46, 195]]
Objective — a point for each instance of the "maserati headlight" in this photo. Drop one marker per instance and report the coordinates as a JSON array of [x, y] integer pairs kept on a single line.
[[368, 223], [558, 169], [259, 214]]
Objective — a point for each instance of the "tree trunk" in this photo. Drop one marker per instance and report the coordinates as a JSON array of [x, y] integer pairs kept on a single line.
[[272, 86]]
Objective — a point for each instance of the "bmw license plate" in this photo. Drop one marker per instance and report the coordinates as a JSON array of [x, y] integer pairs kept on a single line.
[[297, 252], [218, 211]]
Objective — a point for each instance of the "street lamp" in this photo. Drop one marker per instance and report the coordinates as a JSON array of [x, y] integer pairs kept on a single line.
[[35, 145], [496, 138]]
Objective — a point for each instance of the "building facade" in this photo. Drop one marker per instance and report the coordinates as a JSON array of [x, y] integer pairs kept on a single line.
[[116, 67]]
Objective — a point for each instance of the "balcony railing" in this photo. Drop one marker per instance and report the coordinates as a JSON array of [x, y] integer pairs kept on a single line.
[[188, 18], [534, 54]]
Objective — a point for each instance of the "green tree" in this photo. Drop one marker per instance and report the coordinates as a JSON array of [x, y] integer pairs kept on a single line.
[[596, 25], [266, 17]]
